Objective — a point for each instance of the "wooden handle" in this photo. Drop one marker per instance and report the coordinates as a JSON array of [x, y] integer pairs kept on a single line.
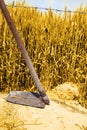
[[23, 51]]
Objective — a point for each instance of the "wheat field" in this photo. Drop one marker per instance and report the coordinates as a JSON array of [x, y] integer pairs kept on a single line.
[[56, 44]]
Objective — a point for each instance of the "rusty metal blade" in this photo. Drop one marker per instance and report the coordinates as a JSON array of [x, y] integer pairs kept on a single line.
[[26, 98]]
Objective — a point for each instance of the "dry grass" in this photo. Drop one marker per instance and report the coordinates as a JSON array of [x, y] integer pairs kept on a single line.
[[9, 119]]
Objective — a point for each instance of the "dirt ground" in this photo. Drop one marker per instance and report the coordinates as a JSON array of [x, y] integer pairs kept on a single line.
[[59, 115]]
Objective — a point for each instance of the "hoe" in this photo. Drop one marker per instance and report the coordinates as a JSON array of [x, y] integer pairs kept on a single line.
[[34, 99]]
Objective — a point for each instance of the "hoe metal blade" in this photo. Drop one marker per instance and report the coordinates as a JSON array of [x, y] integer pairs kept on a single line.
[[26, 98]]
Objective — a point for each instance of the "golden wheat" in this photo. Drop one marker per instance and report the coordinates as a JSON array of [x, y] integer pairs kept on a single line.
[[56, 44]]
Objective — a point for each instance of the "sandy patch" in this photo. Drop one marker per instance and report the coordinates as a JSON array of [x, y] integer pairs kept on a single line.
[[59, 115]]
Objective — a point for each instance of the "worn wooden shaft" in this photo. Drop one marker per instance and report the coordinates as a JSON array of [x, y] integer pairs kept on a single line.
[[23, 51]]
